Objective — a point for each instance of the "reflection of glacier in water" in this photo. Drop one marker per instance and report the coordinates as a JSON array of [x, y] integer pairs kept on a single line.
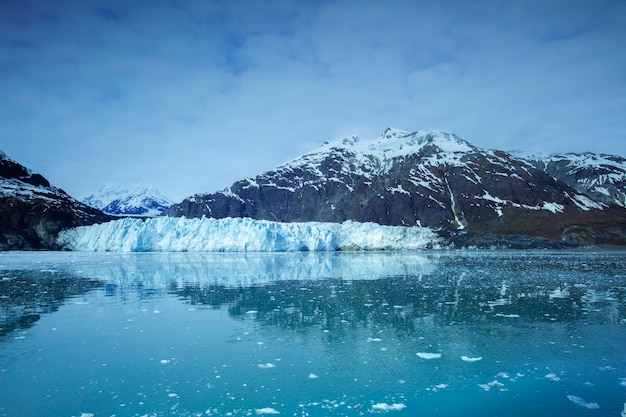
[[159, 270], [428, 333]]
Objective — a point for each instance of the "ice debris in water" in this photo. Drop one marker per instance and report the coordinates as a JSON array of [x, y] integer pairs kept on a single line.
[[313, 376], [266, 365], [388, 407], [492, 384], [553, 377], [469, 359], [428, 355], [579, 401]]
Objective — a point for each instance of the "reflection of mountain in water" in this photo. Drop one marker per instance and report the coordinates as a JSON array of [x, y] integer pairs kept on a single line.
[[399, 290], [26, 295], [405, 302]]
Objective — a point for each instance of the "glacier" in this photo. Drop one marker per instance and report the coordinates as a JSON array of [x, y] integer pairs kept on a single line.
[[180, 234]]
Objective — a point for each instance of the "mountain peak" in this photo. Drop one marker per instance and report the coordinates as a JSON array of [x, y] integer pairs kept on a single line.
[[137, 200], [391, 132]]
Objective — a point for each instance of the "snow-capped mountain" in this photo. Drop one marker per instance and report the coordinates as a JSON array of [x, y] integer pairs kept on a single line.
[[32, 211], [140, 200], [600, 177], [426, 178]]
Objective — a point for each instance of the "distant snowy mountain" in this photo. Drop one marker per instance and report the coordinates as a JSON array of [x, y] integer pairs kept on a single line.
[[139, 200], [600, 177], [426, 178], [32, 211]]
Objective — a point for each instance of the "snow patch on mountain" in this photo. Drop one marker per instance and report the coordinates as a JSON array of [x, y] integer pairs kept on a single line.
[[394, 143], [242, 235], [600, 177], [139, 200]]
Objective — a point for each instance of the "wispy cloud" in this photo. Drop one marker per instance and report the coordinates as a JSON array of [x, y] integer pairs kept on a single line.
[[191, 96]]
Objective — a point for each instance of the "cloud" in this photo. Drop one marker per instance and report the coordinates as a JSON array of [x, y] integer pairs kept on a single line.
[[191, 96]]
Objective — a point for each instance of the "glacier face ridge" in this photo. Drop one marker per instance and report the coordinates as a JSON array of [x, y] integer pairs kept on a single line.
[[168, 234]]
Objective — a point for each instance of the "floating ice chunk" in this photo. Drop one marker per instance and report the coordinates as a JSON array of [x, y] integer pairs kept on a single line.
[[312, 376], [553, 377], [507, 315], [165, 361], [428, 355], [579, 401], [489, 385], [251, 312], [266, 365], [374, 339], [266, 410], [468, 359], [86, 415], [388, 407]]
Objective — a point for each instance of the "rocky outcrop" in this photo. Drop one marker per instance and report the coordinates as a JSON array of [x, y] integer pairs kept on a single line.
[[434, 179], [32, 212]]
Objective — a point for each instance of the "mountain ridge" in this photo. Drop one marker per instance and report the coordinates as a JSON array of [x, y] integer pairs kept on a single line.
[[426, 178]]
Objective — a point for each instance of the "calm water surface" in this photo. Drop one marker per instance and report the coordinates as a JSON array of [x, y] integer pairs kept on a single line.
[[307, 334]]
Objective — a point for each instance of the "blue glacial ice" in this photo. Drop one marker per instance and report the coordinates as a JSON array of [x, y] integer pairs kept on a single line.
[[168, 234]]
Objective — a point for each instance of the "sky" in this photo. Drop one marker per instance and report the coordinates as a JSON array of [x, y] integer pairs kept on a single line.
[[190, 96]]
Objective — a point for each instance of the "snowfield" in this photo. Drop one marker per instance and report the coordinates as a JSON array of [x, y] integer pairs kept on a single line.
[[169, 234]]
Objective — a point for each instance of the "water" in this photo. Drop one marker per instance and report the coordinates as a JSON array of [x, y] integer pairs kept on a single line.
[[306, 334]]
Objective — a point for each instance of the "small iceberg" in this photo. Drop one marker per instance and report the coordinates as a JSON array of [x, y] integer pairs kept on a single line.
[[579, 401], [492, 384], [388, 407], [468, 359], [266, 365], [428, 355], [266, 410]]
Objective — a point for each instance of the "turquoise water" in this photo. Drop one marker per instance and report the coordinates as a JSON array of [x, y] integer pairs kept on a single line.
[[306, 334]]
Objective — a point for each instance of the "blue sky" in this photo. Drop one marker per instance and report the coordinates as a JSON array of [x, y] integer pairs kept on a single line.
[[189, 96]]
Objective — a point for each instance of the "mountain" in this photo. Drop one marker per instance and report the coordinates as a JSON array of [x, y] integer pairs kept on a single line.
[[600, 177], [139, 200], [428, 178], [32, 212]]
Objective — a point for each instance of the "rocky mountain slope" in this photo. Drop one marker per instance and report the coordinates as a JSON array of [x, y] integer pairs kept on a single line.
[[428, 178], [140, 200], [600, 177], [32, 211]]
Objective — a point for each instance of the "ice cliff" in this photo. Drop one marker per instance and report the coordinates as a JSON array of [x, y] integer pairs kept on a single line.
[[242, 235]]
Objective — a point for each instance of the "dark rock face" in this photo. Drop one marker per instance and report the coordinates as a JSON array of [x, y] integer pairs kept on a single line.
[[32, 212], [432, 179]]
